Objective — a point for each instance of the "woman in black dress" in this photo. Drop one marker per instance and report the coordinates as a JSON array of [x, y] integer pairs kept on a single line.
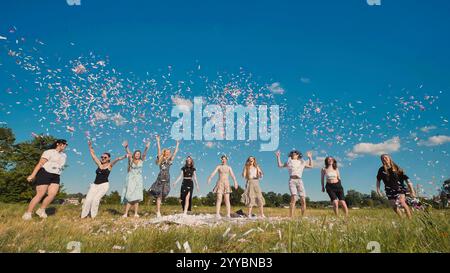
[[187, 186]]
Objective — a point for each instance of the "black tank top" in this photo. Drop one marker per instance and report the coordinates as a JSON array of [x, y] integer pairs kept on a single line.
[[188, 171], [102, 176]]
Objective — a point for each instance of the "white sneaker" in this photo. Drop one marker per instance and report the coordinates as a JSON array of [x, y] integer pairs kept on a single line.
[[218, 217], [158, 215], [136, 216], [41, 213], [27, 216], [125, 216]]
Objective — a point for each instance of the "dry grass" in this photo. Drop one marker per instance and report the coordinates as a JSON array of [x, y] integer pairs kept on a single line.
[[319, 232]]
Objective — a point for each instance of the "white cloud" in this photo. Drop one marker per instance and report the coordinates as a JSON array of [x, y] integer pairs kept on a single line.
[[276, 88], [427, 129], [434, 141], [184, 104], [389, 146]]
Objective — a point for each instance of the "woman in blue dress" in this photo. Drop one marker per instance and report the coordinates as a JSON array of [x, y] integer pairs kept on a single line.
[[133, 191], [161, 187]]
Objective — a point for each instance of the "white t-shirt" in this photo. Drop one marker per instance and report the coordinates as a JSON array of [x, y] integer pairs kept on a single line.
[[295, 167], [55, 161]]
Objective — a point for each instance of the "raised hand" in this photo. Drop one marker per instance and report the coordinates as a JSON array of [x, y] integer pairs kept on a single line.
[[125, 143], [309, 154], [147, 145], [157, 138], [90, 143], [277, 153]]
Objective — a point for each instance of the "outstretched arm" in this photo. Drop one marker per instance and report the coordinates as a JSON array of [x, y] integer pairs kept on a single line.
[[176, 151], [378, 187], [234, 178], [118, 159], [158, 145], [194, 177], [147, 146], [178, 179], [322, 179], [94, 157], [280, 165], [127, 148], [310, 161], [212, 174], [38, 166], [411, 188]]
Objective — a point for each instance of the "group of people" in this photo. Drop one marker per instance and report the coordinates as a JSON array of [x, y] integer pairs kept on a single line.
[[46, 178]]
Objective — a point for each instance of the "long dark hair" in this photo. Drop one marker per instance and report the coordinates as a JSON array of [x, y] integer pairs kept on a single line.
[[334, 164], [186, 165]]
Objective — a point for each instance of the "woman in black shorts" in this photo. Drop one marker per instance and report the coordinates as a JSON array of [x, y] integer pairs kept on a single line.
[[393, 177], [46, 178], [334, 187]]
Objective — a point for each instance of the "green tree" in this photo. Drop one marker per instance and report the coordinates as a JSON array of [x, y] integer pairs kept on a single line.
[[17, 161], [112, 198]]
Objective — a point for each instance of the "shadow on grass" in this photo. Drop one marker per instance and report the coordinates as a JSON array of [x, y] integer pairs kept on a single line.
[[114, 212], [50, 211]]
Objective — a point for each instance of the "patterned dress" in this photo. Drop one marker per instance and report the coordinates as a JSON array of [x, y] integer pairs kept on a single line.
[[161, 187], [133, 191]]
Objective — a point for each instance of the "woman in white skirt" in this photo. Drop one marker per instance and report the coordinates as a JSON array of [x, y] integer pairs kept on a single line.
[[101, 183]]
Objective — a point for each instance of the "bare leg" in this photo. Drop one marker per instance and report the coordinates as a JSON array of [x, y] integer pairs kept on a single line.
[[227, 204], [250, 211], [51, 193], [344, 206], [292, 206], [40, 192], [303, 205], [186, 202], [405, 206], [335, 204], [218, 204], [127, 208], [136, 208], [158, 205], [261, 210], [395, 208]]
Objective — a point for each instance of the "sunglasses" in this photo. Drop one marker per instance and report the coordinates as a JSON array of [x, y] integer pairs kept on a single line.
[[104, 157]]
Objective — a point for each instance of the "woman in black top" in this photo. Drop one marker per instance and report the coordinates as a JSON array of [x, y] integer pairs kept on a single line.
[[394, 177], [101, 183], [187, 187]]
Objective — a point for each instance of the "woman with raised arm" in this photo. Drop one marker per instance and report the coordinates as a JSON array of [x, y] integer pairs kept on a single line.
[[222, 188], [46, 178], [189, 177], [101, 183], [133, 191], [394, 177], [295, 166], [252, 195], [161, 187], [334, 188]]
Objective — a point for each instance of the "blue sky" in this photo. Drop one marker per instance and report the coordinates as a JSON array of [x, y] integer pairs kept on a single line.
[[351, 72]]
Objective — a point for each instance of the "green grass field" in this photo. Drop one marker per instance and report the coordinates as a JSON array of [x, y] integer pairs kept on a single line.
[[320, 232]]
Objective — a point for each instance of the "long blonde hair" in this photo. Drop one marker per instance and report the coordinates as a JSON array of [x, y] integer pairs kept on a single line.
[[248, 165], [395, 168], [160, 159]]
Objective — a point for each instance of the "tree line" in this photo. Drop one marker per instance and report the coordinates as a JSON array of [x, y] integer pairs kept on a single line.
[[17, 161]]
